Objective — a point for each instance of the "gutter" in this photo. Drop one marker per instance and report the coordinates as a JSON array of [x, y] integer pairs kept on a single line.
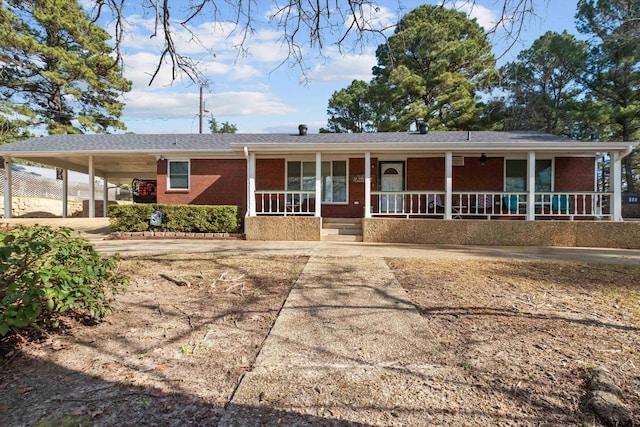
[[627, 151]]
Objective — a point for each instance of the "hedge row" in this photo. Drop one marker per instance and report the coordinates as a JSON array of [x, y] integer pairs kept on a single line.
[[177, 218]]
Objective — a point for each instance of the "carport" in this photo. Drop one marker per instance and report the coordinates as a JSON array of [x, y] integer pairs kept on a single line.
[[81, 153], [115, 168]]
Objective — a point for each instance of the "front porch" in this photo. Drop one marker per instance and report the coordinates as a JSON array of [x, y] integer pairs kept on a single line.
[[514, 185], [464, 205]]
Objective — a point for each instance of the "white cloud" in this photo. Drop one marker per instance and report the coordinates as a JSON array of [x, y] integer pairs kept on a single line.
[[161, 103], [139, 68], [374, 18], [344, 67], [166, 104], [246, 104], [485, 17]]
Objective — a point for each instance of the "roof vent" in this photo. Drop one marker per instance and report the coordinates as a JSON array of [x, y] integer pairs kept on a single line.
[[302, 130], [424, 127]]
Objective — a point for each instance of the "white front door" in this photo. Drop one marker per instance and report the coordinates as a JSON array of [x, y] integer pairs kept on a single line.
[[392, 179]]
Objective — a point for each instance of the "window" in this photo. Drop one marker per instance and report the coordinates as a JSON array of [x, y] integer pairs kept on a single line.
[[301, 176], [516, 176], [334, 181], [178, 174]]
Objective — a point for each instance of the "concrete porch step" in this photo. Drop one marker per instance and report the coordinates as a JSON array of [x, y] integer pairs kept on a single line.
[[342, 229], [342, 238]]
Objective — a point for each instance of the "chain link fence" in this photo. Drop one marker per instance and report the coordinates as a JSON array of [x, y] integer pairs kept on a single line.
[[30, 185]]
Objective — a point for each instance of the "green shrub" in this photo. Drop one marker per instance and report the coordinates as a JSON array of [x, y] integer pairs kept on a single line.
[[179, 218], [45, 272], [129, 217]]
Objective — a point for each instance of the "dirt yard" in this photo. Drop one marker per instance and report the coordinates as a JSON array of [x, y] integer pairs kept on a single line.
[[526, 335], [174, 350]]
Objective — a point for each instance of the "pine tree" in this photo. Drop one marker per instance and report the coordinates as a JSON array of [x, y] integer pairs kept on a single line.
[[58, 64]]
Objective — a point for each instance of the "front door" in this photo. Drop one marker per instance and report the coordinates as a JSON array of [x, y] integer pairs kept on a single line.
[[392, 180]]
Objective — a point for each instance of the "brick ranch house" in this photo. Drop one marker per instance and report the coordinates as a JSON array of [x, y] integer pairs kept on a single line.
[[288, 184]]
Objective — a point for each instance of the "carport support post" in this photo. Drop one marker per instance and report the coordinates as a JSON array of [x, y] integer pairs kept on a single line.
[[65, 193], [616, 178], [318, 212], [531, 186], [92, 189], [448, 196], [367, 184], [7, 187], [105, 197]]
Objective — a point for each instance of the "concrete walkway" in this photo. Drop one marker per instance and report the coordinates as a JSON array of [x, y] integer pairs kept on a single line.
[[347, 345], [352, 249]]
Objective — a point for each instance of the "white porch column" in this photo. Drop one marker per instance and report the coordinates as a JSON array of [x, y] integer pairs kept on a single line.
[[616, 178], [105, 197], [367, 184], [92, 189], [8, 202], [318, 212], [531, 186], [448, 197], [65, 193], [251, 184]]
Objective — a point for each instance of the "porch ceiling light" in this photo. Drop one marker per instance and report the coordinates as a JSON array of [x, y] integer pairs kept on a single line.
[[483, 159]]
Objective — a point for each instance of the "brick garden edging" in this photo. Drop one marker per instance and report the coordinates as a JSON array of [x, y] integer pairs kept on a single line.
[[144, 235]]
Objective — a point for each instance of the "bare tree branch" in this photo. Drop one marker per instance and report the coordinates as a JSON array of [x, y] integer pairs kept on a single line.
[[305, 24]]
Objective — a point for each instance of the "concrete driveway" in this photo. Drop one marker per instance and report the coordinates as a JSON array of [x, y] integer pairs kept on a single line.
[[97, 231]]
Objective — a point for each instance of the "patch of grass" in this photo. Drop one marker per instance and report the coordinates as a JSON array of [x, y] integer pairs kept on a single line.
[[65, 421]]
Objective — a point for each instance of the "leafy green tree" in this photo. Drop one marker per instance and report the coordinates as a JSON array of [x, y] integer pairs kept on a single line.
[[544, 83], [589, 120], [433, 67], [225, 127], [58, 63], [14, 122], [349, 109], [613, 72]]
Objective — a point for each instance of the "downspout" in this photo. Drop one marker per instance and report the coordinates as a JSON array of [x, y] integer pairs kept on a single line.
[[627, 151]]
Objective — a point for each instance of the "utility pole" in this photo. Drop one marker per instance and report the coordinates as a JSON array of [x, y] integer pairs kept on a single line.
[[201, 108]]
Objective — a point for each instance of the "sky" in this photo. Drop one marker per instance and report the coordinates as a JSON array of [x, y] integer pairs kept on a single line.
[[259, 93]]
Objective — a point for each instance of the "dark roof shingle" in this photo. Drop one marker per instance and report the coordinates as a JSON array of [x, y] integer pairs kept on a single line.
[[225, 142]]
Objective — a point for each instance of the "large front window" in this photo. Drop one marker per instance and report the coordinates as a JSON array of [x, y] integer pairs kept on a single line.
[[301, 176], [178, 174], [516, 176]]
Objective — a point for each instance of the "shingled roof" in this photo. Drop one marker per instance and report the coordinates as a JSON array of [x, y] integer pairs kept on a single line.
[[220, 142]]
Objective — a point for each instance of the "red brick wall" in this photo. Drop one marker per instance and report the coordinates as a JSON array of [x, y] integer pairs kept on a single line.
[[425, 173], [270, 174], [212, 182], [476, 177], [574, 174]]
